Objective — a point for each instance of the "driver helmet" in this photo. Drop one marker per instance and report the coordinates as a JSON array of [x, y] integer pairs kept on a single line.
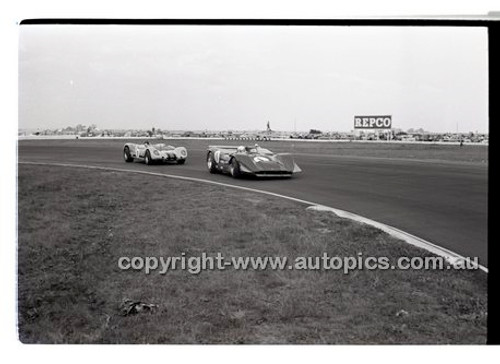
[[241, 149]]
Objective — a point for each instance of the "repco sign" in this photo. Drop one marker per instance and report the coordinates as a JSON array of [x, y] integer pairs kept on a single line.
[[373, 122]]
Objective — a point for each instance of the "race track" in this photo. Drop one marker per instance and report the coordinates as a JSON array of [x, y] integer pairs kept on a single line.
[[442, 202]]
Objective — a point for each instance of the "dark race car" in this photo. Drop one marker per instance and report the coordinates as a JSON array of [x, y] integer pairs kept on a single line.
[[253, 161]]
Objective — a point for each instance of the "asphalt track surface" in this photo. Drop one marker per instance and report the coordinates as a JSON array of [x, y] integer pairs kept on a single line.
[[444, 203]]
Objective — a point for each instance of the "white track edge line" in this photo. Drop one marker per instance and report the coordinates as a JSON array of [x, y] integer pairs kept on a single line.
[[449, 255]]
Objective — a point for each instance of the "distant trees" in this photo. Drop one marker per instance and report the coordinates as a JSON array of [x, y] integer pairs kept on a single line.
[[315, 131]]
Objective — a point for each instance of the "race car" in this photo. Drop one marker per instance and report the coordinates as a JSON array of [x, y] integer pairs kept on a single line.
[[250, 160], [152, 153]]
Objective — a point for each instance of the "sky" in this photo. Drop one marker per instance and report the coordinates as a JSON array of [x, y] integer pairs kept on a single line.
[[241, 77]]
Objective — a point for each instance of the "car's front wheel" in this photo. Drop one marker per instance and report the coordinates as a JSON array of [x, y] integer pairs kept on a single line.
[[235, 168], [126, 155], [147, 158], [181, 161], [212, 168]]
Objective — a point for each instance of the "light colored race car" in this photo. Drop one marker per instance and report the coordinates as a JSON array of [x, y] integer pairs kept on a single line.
[[154, 153], [250, 160]]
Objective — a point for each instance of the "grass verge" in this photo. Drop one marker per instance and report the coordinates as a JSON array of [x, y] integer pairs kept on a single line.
[[74, 224]]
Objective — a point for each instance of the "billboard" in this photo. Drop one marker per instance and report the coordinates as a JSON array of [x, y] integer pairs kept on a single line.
[[373, 122]]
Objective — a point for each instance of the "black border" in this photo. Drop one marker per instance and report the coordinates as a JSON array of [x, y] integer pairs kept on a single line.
[[494, 114], [493, 26], [278, 22]]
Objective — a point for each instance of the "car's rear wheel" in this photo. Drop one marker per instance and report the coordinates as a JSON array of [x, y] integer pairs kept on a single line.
[[212, 168], [235, 168], [126, 155], [181, 161], [147, 158]]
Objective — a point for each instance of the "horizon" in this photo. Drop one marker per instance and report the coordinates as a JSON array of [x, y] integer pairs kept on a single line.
[[414, 129]]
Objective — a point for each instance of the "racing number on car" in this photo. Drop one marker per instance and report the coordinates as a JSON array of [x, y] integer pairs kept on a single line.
[[217, 156], [261, 159]]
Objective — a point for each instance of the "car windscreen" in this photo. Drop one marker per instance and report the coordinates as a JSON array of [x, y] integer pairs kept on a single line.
[[163, 146]]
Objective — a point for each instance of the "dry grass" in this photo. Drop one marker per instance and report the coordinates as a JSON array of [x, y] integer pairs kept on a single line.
[[74, 224], [470, 153]]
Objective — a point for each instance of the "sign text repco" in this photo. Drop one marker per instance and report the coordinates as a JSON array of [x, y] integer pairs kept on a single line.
[[373, 122]]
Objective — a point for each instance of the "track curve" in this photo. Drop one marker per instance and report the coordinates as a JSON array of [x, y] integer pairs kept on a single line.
[[443, 203]]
